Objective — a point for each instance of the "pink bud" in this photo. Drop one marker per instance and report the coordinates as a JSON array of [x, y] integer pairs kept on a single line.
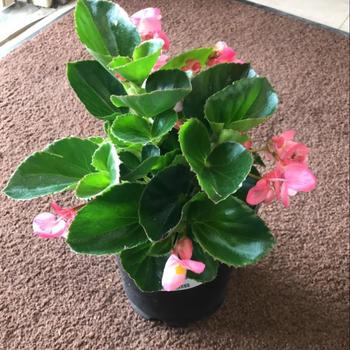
[[184, 248]]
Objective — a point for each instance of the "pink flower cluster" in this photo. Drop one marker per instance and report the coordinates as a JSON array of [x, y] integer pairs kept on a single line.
[[48, 225], [148, 24], [175, 270], [290, 175]]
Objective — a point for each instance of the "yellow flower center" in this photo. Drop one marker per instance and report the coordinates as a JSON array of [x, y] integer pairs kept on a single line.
[[180, 270]]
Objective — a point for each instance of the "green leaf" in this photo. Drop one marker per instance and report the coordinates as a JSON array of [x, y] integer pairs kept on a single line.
[[94, 86], [230, 231], [246, 103], [221, 170], [106, 161], [150, 165], [92, 184], [162, 201], [163, 90], [149, 151], [163, 123], [132, 128], [232, 135], [105, 28], [144, 269], [145, 57], [209, 82], [163, 247], [108, 224], [135, 129], [96, 139], [55, 169], [211, 266], [179, 61]]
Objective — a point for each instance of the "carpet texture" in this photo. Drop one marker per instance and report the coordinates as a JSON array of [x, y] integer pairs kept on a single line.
[[296, 298]]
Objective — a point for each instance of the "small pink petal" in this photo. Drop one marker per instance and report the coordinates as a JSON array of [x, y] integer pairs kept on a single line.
[[258, 193], [284, 195], [192, 265], [299, 177], [43, 223]]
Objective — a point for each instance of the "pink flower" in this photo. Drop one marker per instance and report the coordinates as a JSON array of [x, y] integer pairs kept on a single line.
[[281, 183], [161, 62], [174, 274], [48, 225], [289, 151], [175, 269], [223, 53], [148, 24], [192, 65]]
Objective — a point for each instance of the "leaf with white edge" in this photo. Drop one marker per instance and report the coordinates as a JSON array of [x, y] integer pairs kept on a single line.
[[162, 201], [150, 165], [220, 171], [106, 161], [144, 269], [132, 128], [94, 85], [163, 247], [92, 184], [163, 123], [245, 104], [210, 81], [230, 231], [163, 90], [201, 55], [109, 224], [149, 151], [57, 168], [105, 28], [145, 57], [135, 129]]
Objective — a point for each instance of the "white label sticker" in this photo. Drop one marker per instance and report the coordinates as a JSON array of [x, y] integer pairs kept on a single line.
[[189, 283]]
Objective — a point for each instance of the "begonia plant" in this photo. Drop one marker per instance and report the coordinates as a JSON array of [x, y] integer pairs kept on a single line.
[[172, 187]]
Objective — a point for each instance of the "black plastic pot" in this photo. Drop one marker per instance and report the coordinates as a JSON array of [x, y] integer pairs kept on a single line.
[[178, 308]]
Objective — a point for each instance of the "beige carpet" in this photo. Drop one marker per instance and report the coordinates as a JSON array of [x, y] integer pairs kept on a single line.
[[297, 298]]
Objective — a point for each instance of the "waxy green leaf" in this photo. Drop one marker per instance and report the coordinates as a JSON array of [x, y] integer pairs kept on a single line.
[[58, 167], [108, 224], [209, 82], [94, 87], [146, 270], [150, 165], [162, 201], [243, 105], [145, 57], [201, 55], [106, 161], [105, 29], [221, 170], [229, 231], [135, 129], [163, 90]]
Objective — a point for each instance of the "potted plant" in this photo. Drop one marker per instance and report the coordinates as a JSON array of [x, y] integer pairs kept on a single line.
[[172, 188]]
